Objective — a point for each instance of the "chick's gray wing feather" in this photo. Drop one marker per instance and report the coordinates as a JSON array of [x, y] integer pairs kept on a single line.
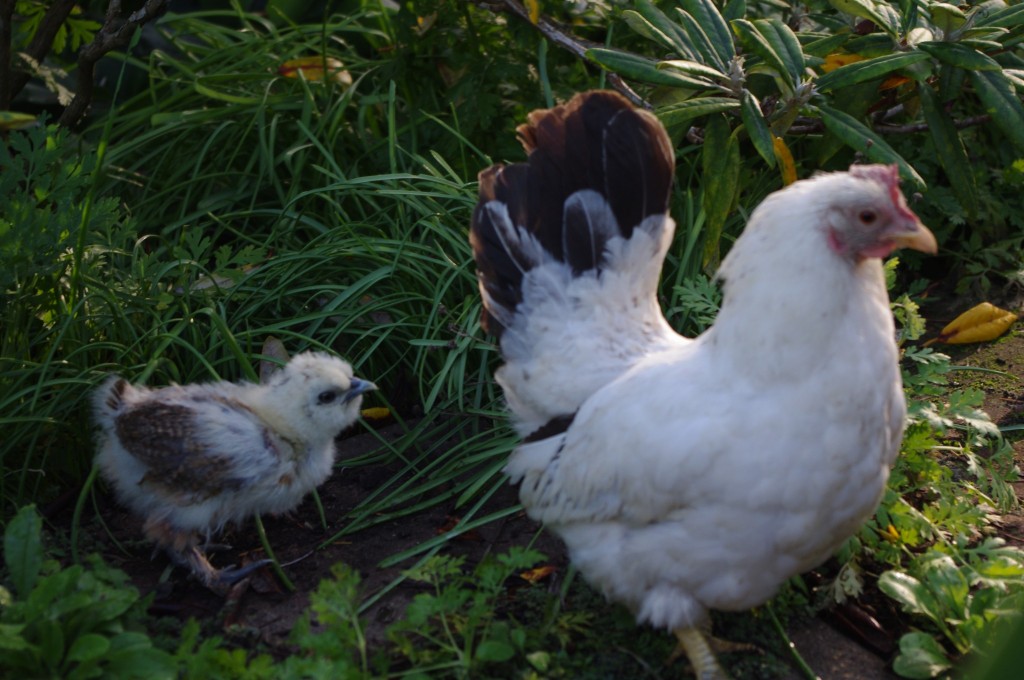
[[168, 438]]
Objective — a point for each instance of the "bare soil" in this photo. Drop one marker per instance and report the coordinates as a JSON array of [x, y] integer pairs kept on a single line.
[[855, 643]]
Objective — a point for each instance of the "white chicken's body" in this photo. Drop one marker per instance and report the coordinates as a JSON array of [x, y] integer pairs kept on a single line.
[[688, 475], [711, 504], [192, 458]]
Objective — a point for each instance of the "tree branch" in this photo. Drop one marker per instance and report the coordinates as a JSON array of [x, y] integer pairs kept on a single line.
[[41, 42], [115, 33], [562, 37], [6, 35]]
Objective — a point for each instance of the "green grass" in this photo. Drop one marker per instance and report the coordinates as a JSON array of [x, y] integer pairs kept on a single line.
[[223, 204]]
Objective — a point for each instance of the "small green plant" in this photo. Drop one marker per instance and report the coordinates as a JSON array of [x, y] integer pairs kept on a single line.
[[70, 622], [455, 626]]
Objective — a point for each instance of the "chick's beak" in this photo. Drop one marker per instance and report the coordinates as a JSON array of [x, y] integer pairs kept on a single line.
[[357, 387], [918, 237]]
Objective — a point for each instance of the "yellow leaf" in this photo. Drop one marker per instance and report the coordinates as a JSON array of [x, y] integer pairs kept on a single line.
[[313, 69], [890, 534], [785, 158], [375, 413], [978, 324], [537, 573], [892, 82], [837, 59], [533, 6]]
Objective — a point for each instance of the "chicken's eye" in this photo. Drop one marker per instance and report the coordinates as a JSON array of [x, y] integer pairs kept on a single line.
[[867, 216], [326, 397]]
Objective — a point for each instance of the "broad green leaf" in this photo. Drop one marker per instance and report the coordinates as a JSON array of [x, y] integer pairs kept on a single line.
[[643, 69], [757, 127], [672, 31], [495, 651], [642, 26], [880, 13], [759, 45], [1007, 17], [693, 68], [822, 47], [862, 71], [88, 647], [23, 549], [920, 657], [700, 41], [1001, 102], [914, 596], [950, 149], [683, 112], [721, 164], [785, 44], [11, 638], [734, 9], [706, 13], [860, 137], [961, 56]]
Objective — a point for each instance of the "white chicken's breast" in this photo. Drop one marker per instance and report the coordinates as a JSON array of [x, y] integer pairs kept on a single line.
[[687, 475]]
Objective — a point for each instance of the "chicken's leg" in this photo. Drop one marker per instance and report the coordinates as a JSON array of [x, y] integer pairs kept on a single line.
[[705, 665], [217, 580]]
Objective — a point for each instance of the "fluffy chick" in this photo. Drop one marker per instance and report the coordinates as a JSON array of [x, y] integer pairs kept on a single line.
[[191, 458]]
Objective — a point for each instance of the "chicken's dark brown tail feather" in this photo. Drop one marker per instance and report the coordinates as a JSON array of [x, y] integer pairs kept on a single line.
[[597, 142]]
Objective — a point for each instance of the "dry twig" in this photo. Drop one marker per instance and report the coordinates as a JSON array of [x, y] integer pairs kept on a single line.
[[115, 33], [562, 37]]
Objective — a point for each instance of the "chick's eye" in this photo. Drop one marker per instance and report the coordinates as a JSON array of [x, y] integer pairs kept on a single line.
[[326, 397], [867, 216]]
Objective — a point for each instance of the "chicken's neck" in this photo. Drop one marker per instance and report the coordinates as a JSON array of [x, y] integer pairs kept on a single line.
[[802, 319]]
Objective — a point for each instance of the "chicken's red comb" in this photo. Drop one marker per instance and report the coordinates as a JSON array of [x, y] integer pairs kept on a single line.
[[889, 177]]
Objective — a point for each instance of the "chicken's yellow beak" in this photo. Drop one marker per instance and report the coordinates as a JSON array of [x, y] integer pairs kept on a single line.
[[919, 237]]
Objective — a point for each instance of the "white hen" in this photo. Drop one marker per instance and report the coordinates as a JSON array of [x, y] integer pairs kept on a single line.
[[636, 438]]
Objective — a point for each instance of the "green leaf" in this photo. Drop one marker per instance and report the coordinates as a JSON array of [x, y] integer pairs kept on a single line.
[[950, 149], [961, 56], [920, 657], [751, 35], [713, 26], [822, 47], [734, 9], [11, 637], [721, 164], [495, 651], [641, 68], [860, 137], [23, 549], [1007, 17], [692, 68], [1000, 100], [757, 127], [88, 647], [914, 596], [869, 69], [883, 15], [642, 26], [683, 112], [784, 43], [662, 27], [700, 41]]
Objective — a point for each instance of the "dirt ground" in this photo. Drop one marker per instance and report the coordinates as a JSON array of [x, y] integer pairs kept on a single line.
[[842, 644]]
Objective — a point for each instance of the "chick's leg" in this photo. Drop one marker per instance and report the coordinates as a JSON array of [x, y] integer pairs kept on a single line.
[[183, 549], [217, 580], [705, 665]]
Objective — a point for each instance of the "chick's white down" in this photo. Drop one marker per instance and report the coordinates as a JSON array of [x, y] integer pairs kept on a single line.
[[687, 475], [191, 458]]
